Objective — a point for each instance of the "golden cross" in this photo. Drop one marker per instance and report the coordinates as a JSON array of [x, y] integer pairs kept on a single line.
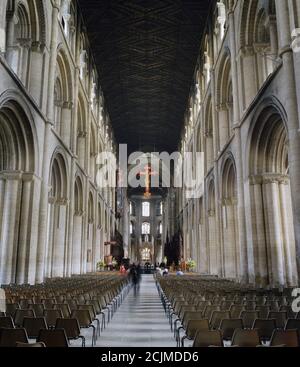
[[147, 173]]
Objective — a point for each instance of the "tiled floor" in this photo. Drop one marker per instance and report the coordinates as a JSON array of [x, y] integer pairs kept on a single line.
[[139, 322]]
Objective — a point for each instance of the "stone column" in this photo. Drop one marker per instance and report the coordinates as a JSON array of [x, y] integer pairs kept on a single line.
[[261, 257], [230, 250], [77, 243], [203, 240], [37, 65], [223, 125], [291, 107], [70, 224], [59, 238], [46, 154], [288, 232], [34, 227], [213, 256], [81, 146], [24, 238], [10, 30], [49, 237], [3, 11], [66, 121], [274, 229], [294, 10], [10, 227], [249, 76], [243, 261], [273, 38]]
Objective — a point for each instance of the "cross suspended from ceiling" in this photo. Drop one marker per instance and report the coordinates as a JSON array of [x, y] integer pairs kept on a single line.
[[147, 173]]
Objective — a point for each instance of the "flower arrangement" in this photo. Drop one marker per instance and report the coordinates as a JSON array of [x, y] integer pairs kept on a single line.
[[191, 264], [100, 264]]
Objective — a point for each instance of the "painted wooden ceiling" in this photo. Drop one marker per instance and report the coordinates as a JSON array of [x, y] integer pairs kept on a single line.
[[146, 52]]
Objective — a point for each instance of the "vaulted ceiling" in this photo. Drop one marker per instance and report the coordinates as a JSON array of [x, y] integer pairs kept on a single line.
[[146, 52]]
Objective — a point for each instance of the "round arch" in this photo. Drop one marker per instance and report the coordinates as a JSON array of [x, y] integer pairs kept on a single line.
[[270, 196]]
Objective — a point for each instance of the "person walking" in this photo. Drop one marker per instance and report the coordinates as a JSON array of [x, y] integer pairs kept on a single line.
[[134, 278]]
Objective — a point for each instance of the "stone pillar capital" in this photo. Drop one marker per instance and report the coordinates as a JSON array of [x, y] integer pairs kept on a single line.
[[11, 175], [275, 178], [211, 212], [208, 134], [246, 51], [68, 105], [255, 180], [229, 201], [38, 47], [51, 199], [79, 213], [25, 42], [221, 107], [82, 134], [62, 201]]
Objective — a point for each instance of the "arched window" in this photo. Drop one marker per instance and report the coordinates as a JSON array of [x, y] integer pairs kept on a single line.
[[146, 209], [146, 228], [160, 228]]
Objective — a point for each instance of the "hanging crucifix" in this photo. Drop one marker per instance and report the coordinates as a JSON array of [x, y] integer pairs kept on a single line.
[[147, 173]]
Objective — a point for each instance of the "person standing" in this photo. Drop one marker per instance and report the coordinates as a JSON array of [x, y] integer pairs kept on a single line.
[[134, 278]]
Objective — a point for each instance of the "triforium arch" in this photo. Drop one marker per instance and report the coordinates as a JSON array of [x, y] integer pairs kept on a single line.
[[57, 216], [212, 242], [274, 253], [78, 225], [63, 97], [224, 100], [81, 136], [209, 135], [18, 185], [229, 214], [258, 44], [25, 37], [93, 153]]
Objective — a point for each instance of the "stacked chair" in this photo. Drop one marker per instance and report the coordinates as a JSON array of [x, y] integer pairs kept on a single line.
[[55, 312], [217, 312]]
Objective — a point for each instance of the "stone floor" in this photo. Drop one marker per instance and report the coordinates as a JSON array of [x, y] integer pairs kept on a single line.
[[139, 322]]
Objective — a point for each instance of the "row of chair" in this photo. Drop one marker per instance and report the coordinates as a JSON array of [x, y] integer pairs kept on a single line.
[[224, 307], [68, 304]]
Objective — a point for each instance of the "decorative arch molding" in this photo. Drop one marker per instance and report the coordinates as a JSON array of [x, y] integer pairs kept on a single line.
[[211, 195], [91, 207], [23, 136], [247, 19], [228, 172], [63, 65], [230, 229], [274, 249], [78, 194], [269, 106], [59, 162], [37, 13], [223, 79]]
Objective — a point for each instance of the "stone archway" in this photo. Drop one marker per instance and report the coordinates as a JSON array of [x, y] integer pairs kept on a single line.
[[274, 250]]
